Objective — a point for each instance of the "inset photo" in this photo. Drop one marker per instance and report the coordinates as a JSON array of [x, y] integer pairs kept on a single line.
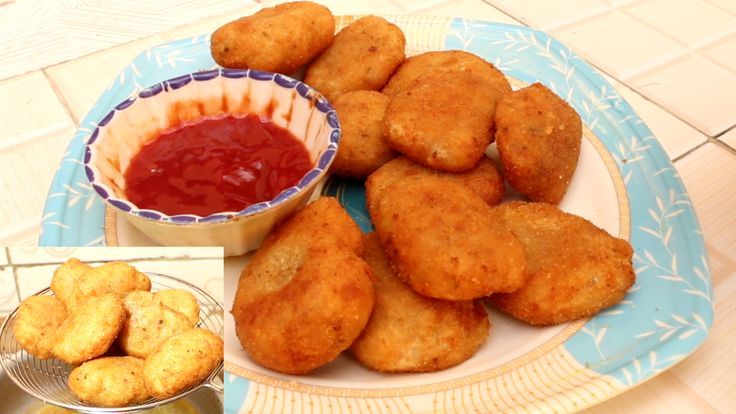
[[111, 329]]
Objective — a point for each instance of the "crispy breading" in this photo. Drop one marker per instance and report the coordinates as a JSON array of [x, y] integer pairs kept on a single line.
[[90, 329], [109, 382], [39, 318], [575, 268], [408, 332], [363, 147], [307, 293], [113, 277], [181, 301], [444, 120], [148, 324], [485, 180], [445, 61], [182, 361], [538, 137], [442, 239], [276, 39], [64, 281], [362, 56]]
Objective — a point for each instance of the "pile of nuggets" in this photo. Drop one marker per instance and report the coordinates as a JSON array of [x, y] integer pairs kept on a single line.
[[409, 297], [128, 344]]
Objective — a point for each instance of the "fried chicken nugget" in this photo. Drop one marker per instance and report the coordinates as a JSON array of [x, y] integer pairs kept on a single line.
[[89, 330], [445, 61], [575, 268], [363, 147], [39, 317], [64, 281], [275, 39], [485, 180], [443, 121], [182, 361], [442, 239], [113, 277], [307, 293], [181, 301], [408, 332], [538, 137], [109, 382], [362, 57], [148, 324]]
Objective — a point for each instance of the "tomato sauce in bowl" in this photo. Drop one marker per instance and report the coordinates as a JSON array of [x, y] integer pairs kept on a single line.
[[215, 164]]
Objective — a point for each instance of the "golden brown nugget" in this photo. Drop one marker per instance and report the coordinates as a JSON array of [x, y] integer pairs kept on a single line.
[[363, 147], [109, 382], [147, 325], [307, 277], [538, 137], [408, 332], [113, 277], [445, 61], [442, 239], [181, 362], [575, 268], [64, 281], [90, 329], [485, 180], [443, 121], [275, 39], [39, 317], [362, 57], [181, 301]]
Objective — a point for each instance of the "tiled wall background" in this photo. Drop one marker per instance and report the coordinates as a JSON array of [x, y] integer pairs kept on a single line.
[[27, 270]]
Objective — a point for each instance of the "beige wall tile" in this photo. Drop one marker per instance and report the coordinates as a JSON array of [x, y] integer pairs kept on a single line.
[[619, 44], [342, 7], [45, 255], [29, 108], [729, 138], [548, 14], [726, 5], [662, 394], [3, 255], [676, 136], [27, 170], [707, 173], [470, 9], [33, 279], [695, 89], [710, 369], [692, 22], [81, 81], [8, 292], [723, 52]]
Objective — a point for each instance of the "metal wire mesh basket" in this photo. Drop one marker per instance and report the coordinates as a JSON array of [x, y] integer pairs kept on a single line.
[[47, 379]]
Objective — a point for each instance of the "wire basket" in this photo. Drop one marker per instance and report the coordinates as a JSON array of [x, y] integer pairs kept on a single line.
[[47, 379]]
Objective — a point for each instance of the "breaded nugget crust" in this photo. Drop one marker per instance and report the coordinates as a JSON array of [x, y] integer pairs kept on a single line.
[[485, 180], [109, 382], [538, 136], [362, 146], [445, 61], [39, 317], [64, 281], [362, 56], [113, 277], [408, 332], [443, 121], [276, 39], [182, 361], [181, 301], [575, 268], [90, 329], [442, 239], [149, 325], [306, 294]]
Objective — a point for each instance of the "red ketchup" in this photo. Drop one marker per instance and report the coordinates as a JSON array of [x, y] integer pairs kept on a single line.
[[215, 165]]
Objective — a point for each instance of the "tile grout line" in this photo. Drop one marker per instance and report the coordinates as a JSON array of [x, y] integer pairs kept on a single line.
[[15, 273], [61, 98]]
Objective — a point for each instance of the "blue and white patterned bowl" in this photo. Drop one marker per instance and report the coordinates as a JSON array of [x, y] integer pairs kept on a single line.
[[121, 133]]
